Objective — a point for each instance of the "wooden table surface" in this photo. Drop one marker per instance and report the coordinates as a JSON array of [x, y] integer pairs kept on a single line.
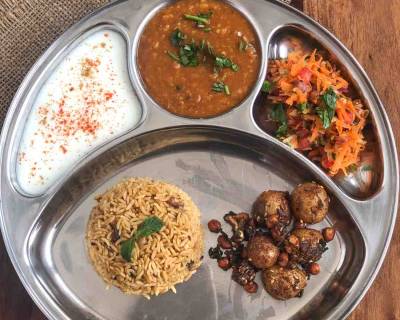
[[371, 30]]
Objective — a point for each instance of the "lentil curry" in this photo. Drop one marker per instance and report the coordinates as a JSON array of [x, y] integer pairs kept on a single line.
[[199, 59]]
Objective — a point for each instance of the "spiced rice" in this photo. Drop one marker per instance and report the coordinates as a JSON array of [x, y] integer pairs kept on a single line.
[[159, 261]]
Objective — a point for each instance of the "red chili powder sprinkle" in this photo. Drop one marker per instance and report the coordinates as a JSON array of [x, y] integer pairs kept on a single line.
[[108, 95]]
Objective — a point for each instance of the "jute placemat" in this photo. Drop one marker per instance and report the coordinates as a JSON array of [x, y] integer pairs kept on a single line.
[[27, 28]]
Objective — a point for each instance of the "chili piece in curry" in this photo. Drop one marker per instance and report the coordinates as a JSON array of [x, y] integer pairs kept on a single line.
[[199, 59]]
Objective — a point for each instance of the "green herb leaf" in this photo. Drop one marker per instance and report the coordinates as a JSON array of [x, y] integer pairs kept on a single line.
[[218, 87], [266, 87], [173, 56], [329, 98], [244, 45], [201, 19], [282, 130], [177, 37], [221, 62], [210, 49], [221, 87], [149, 226], [226, 89], [188, 55], [302, 107], [127, 248], [352, 168], [235, 67], [278, 114], [324, 115], [326, 111]]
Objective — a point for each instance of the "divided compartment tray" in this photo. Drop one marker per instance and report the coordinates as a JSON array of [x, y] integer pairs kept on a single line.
[[222, 162]]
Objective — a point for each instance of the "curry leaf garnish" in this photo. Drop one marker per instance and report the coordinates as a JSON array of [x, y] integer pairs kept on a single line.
[[326, 110], [266, 86], [278, 114], [149, 226], [177, 37]]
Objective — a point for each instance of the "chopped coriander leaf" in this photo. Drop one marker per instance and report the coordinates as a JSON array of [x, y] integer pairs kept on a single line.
[[202, 44], [188, 55], [329, 98], [282, 130], [173, 56], [326, 110], [177, 36], [221, 62], [266, 87], [242, 45], [210, 49], [218, 87], [302, 107], [221, 87], [206, 15], [278, 114], [324, 115], [201, 19], [226, 89]]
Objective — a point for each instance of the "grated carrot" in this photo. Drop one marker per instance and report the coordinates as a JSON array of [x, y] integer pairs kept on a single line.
[[304, 78]]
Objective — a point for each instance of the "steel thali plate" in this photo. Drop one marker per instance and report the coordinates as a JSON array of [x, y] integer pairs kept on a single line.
[[223, 163]]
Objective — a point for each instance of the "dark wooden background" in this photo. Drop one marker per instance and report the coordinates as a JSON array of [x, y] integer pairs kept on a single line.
[[371, 30]]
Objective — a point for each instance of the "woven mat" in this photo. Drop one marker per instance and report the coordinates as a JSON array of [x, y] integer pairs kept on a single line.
[[27, 28]]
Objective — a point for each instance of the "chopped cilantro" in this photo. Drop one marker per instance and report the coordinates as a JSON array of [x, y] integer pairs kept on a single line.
[[266, 86], [326, 110], [221, 87], [278, 114], [177, 37]]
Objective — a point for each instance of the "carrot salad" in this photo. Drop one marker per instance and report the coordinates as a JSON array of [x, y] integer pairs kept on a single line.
[[312, 111]]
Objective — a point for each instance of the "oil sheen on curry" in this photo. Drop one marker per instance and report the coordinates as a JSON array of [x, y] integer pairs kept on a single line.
[[199, 59]]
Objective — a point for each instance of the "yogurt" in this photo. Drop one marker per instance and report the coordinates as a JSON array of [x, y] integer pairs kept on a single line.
[[87, 101]]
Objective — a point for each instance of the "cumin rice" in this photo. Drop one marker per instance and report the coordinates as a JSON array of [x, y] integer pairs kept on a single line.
[[159, 261]]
